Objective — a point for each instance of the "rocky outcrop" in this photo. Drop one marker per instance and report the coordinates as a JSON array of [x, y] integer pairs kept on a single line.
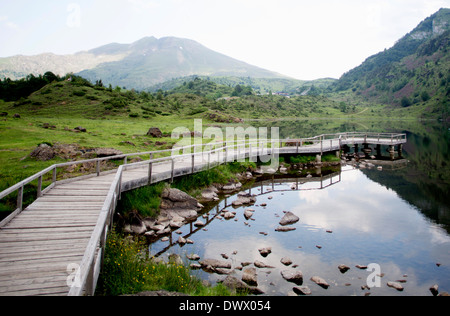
[[43, 152]]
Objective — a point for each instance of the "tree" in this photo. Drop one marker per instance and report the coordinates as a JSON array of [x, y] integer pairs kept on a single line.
[[50, 77], [405, 102], [425, 96]]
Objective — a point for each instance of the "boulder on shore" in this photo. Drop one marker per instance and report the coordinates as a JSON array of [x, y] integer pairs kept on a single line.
[[174, 199]]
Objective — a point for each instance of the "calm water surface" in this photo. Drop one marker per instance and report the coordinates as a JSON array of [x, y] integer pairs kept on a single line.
[[398, 219]]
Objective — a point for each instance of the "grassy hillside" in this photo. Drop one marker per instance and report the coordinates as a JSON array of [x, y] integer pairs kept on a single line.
[[259, 85]]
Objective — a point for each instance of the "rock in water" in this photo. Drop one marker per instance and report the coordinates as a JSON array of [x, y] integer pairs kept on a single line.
[[248, 214], [285, 229], [289, 219], [294, 276], [395, 285], [321, 282], [250, 277], [302, 290], [265, 251], [343, 268]]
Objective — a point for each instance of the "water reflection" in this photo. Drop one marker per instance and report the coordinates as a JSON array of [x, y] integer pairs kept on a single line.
[[355, 221]]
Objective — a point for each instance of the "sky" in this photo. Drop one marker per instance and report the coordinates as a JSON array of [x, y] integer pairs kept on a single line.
[[303, 39]]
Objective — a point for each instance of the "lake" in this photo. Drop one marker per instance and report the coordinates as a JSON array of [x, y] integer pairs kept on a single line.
[[397, 219]]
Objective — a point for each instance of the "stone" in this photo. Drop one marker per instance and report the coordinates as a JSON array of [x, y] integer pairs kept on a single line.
[[209, 195], [244, 199], [199, 223], [137, 225], [177, 199], [214, 263], [195, 266], [250, 277], [265, 251], [228, 215], [294, 276], [285, 229], [234, 284], [154, 132], [286, 261], [321, 282], [361, 267], [248, 214], [181, 241], [232, 186], [302, 290], [262, 265], [107, 152], [289, 219], [343, 268], [175, 259], [434, 290], [395, 285], [43, 152], [80, 129]]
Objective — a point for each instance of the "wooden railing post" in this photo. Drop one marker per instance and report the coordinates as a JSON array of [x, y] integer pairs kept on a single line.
[[39, 188], [150, 170], [98, 167], [20, 199], [173, 170]]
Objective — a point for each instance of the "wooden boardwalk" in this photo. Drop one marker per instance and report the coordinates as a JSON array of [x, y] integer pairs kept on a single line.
[[55, 245]]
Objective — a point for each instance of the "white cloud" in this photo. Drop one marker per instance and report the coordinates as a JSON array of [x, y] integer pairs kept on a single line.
[[4, 20]]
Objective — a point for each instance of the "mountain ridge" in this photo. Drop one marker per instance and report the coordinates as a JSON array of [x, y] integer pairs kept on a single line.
[[137, 65]]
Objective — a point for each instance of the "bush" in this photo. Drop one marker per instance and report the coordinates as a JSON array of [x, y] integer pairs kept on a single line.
[[405, 102]]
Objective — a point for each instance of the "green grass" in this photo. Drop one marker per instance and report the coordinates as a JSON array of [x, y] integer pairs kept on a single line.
[[145, 200], [128, 270]]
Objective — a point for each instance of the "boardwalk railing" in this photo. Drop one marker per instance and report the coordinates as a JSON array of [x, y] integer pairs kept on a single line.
[[211, 154]]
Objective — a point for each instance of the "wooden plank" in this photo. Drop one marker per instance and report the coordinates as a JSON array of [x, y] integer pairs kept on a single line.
[[47, 237], [20, 247]]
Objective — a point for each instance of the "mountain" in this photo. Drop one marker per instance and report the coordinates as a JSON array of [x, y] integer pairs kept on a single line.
[[414, 72], [138, 65], [150, 61]]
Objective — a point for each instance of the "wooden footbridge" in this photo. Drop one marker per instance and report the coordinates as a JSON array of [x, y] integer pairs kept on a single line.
[[55, 246]]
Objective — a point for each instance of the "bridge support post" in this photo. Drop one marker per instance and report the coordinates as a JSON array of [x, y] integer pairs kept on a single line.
[[318, 158], [400, 151], [378, 151], [392, 152]]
